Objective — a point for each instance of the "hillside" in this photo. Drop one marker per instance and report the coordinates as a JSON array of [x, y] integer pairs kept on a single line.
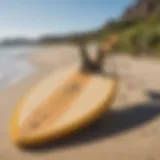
[[138, 27], [141, 9]]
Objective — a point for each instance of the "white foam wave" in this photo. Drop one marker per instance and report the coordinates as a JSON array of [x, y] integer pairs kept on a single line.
[[13, 65]]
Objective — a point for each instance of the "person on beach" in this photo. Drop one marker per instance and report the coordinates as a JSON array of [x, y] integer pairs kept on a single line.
[[103, 50]]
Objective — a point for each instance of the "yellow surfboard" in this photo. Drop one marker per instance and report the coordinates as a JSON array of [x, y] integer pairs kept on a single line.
[[60, 104]]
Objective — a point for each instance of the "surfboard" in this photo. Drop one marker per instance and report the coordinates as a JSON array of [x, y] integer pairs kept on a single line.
[[62, 103]]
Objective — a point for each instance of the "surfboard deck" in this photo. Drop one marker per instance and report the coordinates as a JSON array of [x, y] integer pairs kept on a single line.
[[60, 104]]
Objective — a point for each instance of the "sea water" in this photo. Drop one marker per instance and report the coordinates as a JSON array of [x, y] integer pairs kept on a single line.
[[14, 65]]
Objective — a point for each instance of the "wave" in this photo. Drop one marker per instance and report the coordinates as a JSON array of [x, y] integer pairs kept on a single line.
[[14, 65]]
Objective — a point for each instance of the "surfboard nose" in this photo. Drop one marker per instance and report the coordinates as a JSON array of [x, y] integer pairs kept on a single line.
[[59, 105]]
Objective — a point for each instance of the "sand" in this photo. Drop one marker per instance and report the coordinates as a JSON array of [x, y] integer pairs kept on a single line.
[[130, 131]]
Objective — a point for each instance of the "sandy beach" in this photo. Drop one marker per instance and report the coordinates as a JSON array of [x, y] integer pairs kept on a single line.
[[130, 131]]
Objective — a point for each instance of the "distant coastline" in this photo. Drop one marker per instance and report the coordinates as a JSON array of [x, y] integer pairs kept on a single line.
[[137, 27]]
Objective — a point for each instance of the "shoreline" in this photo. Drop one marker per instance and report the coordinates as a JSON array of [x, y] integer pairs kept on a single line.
[[134, 124]]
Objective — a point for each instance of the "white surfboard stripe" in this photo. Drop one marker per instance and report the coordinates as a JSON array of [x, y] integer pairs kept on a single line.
[[41, 92], [96, 92]]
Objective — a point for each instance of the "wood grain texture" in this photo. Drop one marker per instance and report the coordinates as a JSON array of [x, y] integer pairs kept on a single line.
[[56, 104], [85, 102]]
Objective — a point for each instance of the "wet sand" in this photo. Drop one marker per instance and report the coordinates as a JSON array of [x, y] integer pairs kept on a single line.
[[130, 131]]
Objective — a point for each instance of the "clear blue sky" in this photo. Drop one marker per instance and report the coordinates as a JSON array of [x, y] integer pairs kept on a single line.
[[37, 17]]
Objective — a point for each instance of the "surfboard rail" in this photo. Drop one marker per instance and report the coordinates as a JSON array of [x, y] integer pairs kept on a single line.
[[44, 137]]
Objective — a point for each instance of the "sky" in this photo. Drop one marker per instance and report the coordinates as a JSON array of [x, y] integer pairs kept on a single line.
[[33, 18]]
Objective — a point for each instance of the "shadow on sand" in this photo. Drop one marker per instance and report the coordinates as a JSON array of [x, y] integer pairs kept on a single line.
[[153, 95], [110, 124]]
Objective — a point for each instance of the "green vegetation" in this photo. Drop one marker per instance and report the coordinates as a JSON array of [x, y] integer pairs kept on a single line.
[[138, 28], [137, 37]]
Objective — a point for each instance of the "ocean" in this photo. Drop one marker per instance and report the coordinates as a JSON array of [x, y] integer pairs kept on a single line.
[[14, 65]]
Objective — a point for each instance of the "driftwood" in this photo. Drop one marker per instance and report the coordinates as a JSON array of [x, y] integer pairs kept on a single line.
[[104, 48], [87, 63]]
